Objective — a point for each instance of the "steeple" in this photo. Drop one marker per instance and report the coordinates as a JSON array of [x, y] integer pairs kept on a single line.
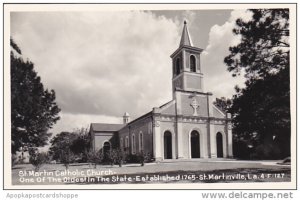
[[185, 37], [187, 72]]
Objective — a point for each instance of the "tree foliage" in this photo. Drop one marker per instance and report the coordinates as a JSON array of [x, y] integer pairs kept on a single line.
[[262, 114], [82, 141], [76, 143], [261, 110], [264, 46], [33, 108], [223, 103], [37, 159], [95, 157], [61, 143]]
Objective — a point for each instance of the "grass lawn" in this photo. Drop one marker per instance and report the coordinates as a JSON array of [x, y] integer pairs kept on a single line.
[[166, 172]]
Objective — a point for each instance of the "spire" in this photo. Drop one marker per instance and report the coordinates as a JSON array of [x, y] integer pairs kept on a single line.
[[185, 37]]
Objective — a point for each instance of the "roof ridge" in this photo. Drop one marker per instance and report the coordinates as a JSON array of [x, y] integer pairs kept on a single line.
[[166, 103], [104, 123]]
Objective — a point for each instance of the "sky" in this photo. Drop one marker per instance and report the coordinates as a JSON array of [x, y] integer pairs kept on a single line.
[[102, 64]]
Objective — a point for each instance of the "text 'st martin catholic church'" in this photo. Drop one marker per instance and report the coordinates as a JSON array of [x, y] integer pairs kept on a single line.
[[189, 126]]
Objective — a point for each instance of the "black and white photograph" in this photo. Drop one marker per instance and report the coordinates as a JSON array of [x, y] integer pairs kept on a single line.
[[156, 96]]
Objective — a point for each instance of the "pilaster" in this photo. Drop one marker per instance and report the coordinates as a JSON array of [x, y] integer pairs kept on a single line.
[[157, 151], [229, 135], [180, 140], [212, 145]]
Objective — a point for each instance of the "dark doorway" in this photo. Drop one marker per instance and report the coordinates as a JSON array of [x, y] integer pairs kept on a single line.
[[219, 145], [195, 144], [106, 151], [168, 145]]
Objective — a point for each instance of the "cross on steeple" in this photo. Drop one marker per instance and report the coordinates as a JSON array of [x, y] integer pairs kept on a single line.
[[195, 105]]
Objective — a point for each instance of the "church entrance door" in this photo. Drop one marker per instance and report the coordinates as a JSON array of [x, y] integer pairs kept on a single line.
[[167, 145], [219, 145], [195, 144]]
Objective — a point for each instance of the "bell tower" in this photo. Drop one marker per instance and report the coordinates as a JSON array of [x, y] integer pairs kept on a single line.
[[187, 72]]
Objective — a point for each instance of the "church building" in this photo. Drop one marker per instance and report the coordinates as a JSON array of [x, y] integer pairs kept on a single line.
[[189, 126]]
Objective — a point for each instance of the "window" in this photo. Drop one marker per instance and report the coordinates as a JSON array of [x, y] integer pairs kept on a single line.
[[141, 142], [126, 143], [149, 127], [177, 68], [121, 143], [133, 144], [193, 63]]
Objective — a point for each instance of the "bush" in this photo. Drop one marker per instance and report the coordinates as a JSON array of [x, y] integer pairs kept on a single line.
[[266, 151], [67, 157], [14, 160], [21, 159], [241, 150], [148, 157], [139, 158], [287, 160], [120, 157], [132, 158], [82, 158], [37, 159], [142, 156], [95, 157], [116, 156]]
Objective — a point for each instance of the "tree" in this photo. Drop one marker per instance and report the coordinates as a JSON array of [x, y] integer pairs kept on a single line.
[[61, 148], [223, 103], [71, 144], [37, 159], [67, 157], [61, 143], [94, 157], [118, 156], [33, 108], [81, 143], [261, 110], [262, 114], [264, 47]]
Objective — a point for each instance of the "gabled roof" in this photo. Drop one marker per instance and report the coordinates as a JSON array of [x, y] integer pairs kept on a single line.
[[185, 37], [169, 102], [106, 127], [219, 112], [143, 116]]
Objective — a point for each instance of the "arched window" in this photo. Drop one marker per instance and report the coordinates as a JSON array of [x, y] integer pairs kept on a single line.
[[177, 68], [121, 143], [219, 145], [141, 142], [193, 63], [133, 144], [126, 142]]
